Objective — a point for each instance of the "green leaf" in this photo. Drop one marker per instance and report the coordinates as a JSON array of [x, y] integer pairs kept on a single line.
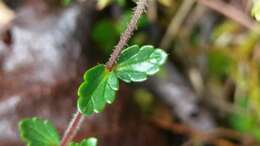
[[256, 10], [98, 88], [86, 142], [135, 64], [38, 132]]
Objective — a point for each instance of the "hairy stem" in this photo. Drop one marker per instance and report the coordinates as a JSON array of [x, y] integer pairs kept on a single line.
[[126, 35], [72, 128], [78, 118]]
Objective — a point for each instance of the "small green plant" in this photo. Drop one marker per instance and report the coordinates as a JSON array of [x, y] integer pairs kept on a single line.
[[134, 64]]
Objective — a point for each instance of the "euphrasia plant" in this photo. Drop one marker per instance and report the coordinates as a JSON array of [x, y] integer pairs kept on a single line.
[[101, 82]]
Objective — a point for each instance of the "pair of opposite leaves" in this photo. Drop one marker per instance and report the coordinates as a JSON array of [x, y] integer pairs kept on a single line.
[[99, 87]]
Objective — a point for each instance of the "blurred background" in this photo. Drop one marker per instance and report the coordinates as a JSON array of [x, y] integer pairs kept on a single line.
[[207, 94]]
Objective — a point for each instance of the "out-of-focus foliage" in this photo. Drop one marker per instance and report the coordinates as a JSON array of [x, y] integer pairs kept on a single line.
[[66, 2], [37, 132], [105, 35], [219, 63], [144, 100], [256, 9], [106, 32], [86, 142], [231, 56], [243, 121], [101, 4], [120, 2]]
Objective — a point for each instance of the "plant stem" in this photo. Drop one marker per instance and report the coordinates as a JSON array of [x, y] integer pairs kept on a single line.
[[126, 35], [78, 118], [72, 129]]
